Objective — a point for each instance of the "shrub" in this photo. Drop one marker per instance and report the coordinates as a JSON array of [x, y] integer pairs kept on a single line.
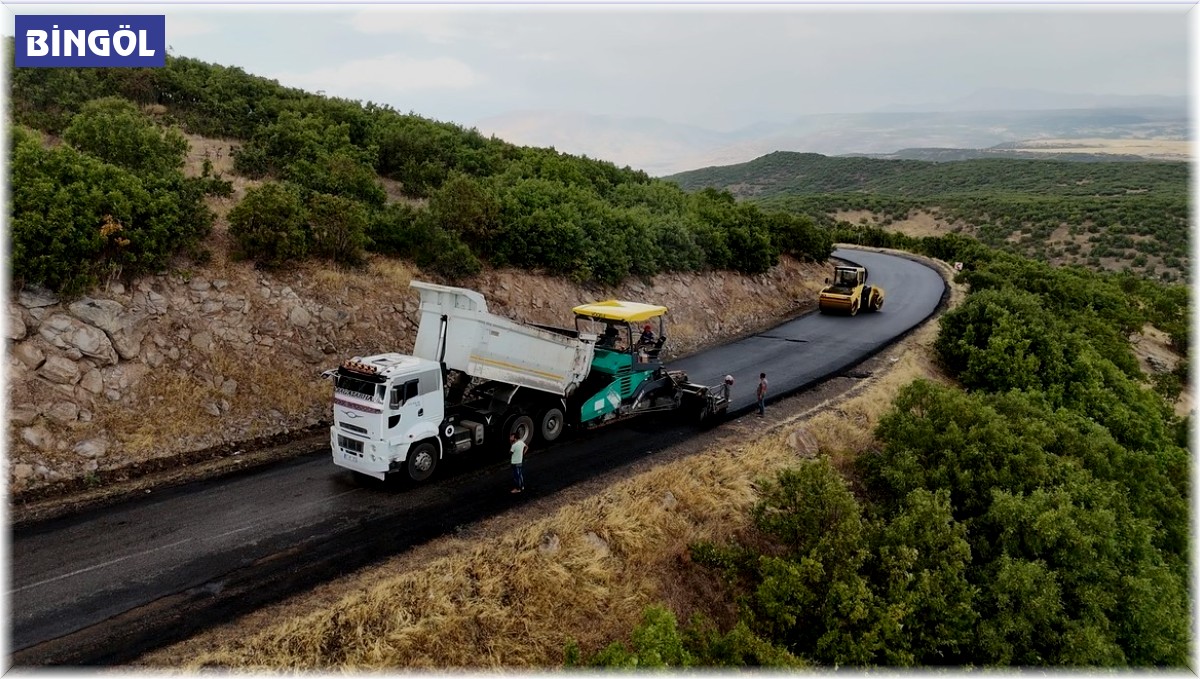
[[115, 131], [337, 227], [76, 218], [269, 225]]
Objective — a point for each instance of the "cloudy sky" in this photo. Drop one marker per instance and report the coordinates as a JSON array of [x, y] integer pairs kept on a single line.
[[713, 67]]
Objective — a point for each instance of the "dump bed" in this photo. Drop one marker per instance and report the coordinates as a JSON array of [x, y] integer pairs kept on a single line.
[[492, 347]]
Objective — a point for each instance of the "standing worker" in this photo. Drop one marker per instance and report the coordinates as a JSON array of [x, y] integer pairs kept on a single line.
[[762, 394], [518, 460]]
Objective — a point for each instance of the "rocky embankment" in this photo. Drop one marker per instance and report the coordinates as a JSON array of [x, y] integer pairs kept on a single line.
[[146, 372]]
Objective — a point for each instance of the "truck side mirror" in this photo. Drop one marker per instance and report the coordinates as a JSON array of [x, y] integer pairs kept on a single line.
[[826, 281]]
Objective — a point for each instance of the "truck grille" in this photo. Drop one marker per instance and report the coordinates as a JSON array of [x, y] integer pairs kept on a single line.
[[351, 427], [350, 445]]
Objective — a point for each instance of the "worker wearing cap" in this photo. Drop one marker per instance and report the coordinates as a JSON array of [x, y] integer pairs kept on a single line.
[[647, 335]]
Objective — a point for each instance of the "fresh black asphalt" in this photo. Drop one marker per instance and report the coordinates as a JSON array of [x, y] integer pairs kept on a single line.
[[103, 588]]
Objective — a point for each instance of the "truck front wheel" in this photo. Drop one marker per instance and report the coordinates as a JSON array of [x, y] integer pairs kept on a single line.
[[422, 460], [551, 425], [522, 426]]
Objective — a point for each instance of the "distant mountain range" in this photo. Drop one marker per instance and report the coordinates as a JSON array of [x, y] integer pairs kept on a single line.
[[662, 148], [1009, 99]]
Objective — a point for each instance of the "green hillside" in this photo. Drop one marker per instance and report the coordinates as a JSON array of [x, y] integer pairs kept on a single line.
[[1106, 215], [89, 208]]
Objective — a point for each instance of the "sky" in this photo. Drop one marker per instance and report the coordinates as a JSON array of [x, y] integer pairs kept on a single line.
[[714, 67]]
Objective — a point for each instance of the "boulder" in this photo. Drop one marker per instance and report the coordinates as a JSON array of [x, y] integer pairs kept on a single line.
[[38, 437], [63, 412], [16, 324], [92, 381], [67, 333], [299, 316], [22, 473], [29, 354], [124, 329], [24, 414], [203, 341], [34, 297], [60, 370], [91, 448]]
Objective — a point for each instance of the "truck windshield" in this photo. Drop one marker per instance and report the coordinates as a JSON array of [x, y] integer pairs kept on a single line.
[[356, 386]]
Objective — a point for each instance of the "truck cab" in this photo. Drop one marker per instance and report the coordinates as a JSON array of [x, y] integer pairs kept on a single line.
[[387, 411]]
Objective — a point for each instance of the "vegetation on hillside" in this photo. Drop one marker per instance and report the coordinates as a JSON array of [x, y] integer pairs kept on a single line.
[[1107, 214], [1035, 515], [470, 200]]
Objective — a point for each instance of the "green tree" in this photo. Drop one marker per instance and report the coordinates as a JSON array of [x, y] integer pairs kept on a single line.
[[269, 225], [337, 228], [115, 131]]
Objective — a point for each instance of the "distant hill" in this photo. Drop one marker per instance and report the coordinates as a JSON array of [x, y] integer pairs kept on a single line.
[[1105, 215], [660, 148], [787, 173], [1026, 99]]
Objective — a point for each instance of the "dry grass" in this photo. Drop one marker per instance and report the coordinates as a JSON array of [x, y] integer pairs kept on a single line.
[[393, 273], [584, 573], [172, 405], [1161, 149]]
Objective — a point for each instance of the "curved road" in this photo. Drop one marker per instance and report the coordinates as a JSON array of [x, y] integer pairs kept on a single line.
[[104, 588]]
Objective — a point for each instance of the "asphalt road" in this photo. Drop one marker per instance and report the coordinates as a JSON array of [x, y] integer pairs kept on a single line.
[[103, 588]]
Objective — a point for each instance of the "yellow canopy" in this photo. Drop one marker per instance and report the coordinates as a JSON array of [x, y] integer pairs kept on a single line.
[[616, 310]]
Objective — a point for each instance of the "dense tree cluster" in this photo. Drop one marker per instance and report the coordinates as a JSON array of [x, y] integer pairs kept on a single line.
[[466, 199], [78, 218]]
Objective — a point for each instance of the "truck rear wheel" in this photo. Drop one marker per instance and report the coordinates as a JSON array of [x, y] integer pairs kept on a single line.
[[550, 425], [522, 426], [422, 460]]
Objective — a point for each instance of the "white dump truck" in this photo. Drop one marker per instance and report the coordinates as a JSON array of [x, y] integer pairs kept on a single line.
[[475, 377]]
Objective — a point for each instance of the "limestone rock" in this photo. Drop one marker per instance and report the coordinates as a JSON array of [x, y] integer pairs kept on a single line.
[[337, 317], [63, 412], [22, 473], [29, 354], [33, 297], [299, 316], [67, 333], [60, 370], [124, 329], [597, 543], [203, 341], [38, 437], [24, 414], [16, 324], [550, 544], [92, 381], [91, 448]]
